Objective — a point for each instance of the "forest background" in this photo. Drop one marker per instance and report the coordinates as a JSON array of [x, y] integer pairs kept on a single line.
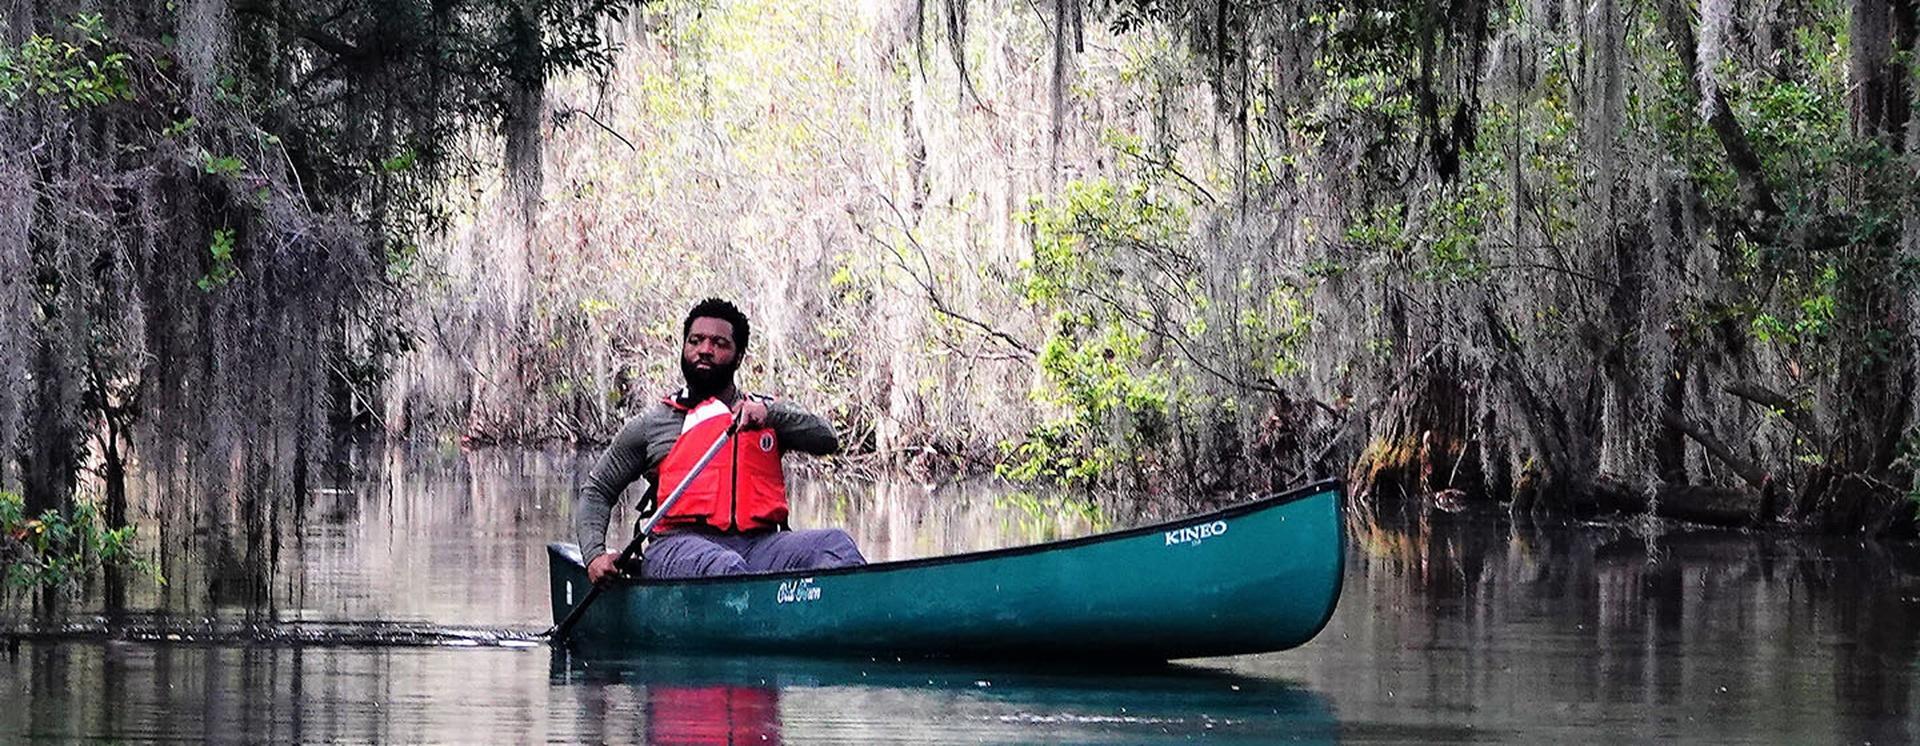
[[1650, 256]]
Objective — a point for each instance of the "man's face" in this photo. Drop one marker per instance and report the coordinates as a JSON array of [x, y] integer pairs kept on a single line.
[[708, 357]]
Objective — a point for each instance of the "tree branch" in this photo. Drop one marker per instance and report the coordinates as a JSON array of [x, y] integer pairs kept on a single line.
[[1746, 164], [1168, 166], [561, 115], [1125, 315], [1752, 474], [933, 293], [1766, 397]]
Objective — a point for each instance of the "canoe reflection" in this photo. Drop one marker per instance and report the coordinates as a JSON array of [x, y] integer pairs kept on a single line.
[[693, 699]]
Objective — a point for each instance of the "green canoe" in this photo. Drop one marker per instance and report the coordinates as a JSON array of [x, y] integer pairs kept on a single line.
[[1258, 576]]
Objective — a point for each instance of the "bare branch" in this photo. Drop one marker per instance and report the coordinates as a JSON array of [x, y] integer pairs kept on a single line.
[[1763, 396], [933, 293], [1168, 166], [1752, 474], [561, 115]]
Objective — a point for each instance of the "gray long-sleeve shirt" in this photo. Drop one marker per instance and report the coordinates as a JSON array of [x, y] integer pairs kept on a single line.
[[643, 443]]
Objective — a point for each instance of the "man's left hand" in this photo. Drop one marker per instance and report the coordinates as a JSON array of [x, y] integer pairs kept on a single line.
[[749, 414]]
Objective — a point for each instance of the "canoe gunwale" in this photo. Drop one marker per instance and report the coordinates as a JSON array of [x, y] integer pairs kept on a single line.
[[1274, 500]]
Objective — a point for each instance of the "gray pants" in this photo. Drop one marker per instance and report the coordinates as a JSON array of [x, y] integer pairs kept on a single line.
[[689, 554]]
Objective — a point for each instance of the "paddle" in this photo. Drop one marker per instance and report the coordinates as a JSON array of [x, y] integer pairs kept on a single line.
[[632, 552]]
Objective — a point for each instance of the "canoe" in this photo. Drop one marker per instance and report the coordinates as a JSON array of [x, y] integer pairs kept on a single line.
[[1259, 576]]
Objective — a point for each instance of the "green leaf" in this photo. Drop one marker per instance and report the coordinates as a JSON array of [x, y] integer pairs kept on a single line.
[[223, 165], [400, 163]]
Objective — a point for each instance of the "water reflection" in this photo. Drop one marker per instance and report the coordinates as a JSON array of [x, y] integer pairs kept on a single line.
[[1645, 632], [1453, 627], [114, 691], [160, 692], [719, 713], [705, 699]]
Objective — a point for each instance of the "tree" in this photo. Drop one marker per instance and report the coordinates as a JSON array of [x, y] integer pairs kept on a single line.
[[210, 208]]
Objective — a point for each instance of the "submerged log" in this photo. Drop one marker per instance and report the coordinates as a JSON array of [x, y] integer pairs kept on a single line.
[[1828, 502], [1719, 506], [1694, 503]]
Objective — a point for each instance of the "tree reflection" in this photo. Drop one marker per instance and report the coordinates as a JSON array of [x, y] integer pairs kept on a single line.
[[1806, 634]]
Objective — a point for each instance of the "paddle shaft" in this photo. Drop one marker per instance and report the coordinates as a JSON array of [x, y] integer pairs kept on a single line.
[[559, 631]]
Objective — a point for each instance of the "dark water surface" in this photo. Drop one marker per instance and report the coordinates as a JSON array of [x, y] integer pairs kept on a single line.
[[1453, 627]]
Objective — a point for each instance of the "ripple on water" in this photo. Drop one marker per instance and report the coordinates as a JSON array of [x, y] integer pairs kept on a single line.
[[300, 633]]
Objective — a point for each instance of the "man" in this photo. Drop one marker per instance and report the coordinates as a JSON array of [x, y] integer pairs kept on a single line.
[[733, 518]]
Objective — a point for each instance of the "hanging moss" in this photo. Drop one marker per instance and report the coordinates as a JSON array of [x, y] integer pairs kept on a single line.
[[1661, 249], [205, 218]]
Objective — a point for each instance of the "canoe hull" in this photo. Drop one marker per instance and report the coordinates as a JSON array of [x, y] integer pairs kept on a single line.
[[1256, 577]]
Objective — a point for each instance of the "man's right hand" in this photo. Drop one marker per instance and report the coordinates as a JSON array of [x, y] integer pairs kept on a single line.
[[603, 567]]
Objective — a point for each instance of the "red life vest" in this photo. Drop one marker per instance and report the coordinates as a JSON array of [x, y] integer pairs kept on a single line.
[[742, 489]]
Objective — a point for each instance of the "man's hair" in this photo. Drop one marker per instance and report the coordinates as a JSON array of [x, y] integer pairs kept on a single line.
[[715, 308]]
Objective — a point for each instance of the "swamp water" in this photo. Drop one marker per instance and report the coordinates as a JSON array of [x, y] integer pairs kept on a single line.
[[404, 607]]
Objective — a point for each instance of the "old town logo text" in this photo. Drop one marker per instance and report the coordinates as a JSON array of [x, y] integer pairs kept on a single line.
[[796, 591]]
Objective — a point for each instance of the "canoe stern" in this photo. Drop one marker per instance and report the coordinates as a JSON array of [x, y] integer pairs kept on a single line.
[[568, 576]]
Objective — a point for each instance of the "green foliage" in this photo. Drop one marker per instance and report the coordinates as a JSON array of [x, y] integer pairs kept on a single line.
[[346, 87], [1674, 116], [1277, 327], [405, 161], [1076, 237], [1381, 230], [1365, 39], [221, 165], [1094, 369], [1040, 517], [1054, 453], [1095, 380], [60, 550], [1456, 221], [1450, 234], [323, 136], [222, 270], [1798, 123], [1838, 195], [402, 261], [179, 127], [1812, 314], [1094, 254], [78, 74]]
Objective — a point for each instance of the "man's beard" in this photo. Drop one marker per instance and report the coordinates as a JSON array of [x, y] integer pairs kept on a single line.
[[707, 383]]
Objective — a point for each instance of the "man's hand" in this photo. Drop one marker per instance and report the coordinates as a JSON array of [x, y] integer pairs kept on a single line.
[[749, 414], [603, 567]]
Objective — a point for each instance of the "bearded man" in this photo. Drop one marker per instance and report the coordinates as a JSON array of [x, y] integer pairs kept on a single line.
[[733, 518]]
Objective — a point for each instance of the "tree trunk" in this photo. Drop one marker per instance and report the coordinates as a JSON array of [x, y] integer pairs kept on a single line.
[[114, 473], [51, 454]]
